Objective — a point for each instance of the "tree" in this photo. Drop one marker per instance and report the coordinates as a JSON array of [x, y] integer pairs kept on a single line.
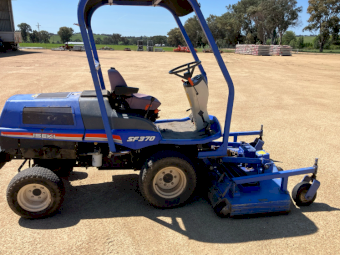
[[175, 37], [293, 44], [25, 30], [65, 34], [324, 17], [107, 40], [159, 39], [194, 31], [300, 42], [34, 36], [124, 40], [249, 39], [288, 37], [116, 38], [259, 15], [243, 18], [286, 16], [98, 40], [230, 28], [44, 36]]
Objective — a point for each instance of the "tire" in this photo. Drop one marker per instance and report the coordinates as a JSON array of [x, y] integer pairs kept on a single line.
[[167, 180], [298, 194], [47, 193]]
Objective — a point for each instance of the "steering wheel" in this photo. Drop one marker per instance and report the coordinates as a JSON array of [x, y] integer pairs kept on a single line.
[[190, 68]]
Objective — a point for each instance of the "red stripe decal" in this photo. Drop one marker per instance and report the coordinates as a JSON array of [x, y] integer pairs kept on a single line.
[[16, 133], [96, 135], [102, 136], [116, 137], [31, 134], [67, 135]]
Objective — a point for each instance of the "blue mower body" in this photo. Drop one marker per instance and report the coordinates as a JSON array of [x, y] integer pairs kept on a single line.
[[104, 129]]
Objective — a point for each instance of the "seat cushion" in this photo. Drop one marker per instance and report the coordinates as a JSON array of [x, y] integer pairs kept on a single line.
[[141, 102]]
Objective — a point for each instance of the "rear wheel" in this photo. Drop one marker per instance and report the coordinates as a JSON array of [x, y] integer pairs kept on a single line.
[[35, 193], [167, 180]]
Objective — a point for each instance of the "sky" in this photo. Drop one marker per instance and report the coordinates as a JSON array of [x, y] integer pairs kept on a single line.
[[124, 20]]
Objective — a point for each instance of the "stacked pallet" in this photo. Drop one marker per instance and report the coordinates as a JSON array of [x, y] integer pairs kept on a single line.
[[261, 50], [246, 49], [280, 50], [252, 49]]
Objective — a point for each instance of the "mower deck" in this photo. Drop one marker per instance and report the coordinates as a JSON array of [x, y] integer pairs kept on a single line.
[[252, 198]]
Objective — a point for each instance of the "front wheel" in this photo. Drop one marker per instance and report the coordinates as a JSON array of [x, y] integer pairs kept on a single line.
[[299, 192], [167, 181], [35, 193]]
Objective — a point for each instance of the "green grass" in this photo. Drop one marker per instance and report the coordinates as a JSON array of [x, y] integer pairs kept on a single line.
[[43, 45], [308, 39], [55, 38], [317, 51], [115, 47]]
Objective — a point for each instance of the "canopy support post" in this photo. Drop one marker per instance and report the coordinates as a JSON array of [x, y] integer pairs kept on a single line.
[[95, 74]]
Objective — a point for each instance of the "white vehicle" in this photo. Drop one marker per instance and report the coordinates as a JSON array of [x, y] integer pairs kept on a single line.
[[8, 36]]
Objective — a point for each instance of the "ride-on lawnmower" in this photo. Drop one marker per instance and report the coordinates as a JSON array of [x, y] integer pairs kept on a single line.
[[119, 128]]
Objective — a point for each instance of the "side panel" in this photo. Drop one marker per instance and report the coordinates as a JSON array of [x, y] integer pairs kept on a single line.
[[6, 16], [133, 139]]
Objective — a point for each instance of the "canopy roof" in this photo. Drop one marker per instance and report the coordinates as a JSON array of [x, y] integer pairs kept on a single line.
[[179, 7]]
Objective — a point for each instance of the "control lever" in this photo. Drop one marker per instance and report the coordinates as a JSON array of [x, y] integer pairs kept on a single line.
[[147, 112]]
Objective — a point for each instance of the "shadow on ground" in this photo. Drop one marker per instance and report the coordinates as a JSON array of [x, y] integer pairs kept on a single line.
[[121, 198], [16, 53]]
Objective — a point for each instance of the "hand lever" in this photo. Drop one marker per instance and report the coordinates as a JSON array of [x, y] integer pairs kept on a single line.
[[147, 112]]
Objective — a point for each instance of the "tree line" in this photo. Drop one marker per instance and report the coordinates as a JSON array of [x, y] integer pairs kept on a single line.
[[66, 33], [264, 22], [247, 21]]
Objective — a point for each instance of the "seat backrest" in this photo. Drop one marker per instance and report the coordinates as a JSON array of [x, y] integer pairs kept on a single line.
[[115, 79]]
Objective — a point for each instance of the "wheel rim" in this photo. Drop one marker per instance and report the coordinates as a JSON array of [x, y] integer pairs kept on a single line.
[[34, 197], [169, 182], [303, 198]]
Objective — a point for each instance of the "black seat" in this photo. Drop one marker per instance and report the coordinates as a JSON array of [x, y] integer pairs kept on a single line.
[[135, 100]]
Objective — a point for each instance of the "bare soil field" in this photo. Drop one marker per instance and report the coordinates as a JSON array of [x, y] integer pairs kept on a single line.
[[295, 98]]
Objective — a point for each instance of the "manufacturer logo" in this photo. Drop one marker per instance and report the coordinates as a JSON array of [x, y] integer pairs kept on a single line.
[[44, 136], [141, 138]]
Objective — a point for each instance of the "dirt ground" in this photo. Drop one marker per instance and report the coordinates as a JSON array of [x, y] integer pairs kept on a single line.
[[295, 98]]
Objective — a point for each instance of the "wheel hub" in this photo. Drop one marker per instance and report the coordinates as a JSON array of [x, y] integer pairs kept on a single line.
[[168, 178], [169, 182], [34, 197]]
